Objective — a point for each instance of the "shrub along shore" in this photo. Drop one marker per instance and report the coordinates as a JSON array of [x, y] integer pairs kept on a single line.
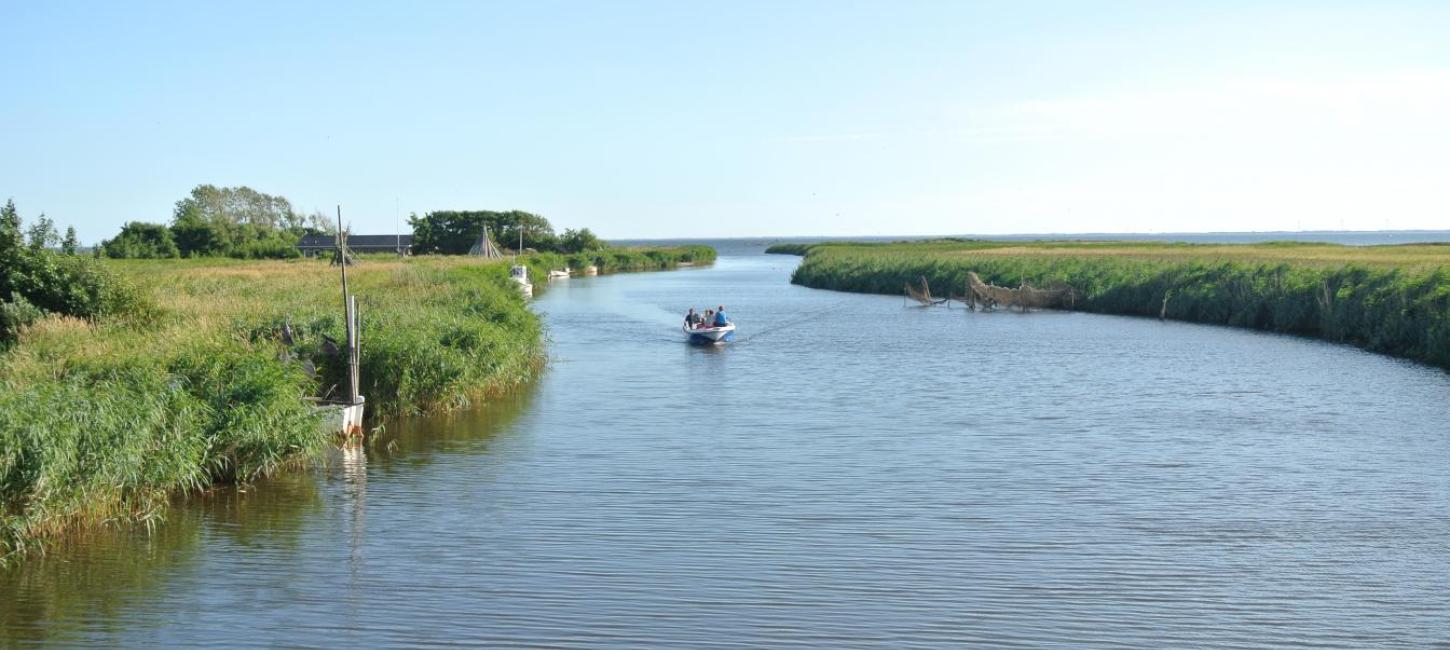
[[193, 382], [634, 258], [1393, 300]]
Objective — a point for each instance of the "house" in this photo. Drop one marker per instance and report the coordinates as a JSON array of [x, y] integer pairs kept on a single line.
[[314, 245]]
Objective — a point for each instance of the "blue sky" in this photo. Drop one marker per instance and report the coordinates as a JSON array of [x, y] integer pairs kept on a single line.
[[740, 119]]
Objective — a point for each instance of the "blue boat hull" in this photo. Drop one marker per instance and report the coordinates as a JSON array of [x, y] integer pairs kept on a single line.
[[699, 339], [710, 335]]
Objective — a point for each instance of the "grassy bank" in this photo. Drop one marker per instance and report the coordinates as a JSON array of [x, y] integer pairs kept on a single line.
[[790, 249], [619, 259], [1388, 299], [101, 421]]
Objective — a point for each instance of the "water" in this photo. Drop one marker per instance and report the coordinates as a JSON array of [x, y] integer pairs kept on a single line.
[[850, 473]]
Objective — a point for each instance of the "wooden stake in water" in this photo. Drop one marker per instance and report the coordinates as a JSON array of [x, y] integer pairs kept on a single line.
[[349, 315], [352, 348]]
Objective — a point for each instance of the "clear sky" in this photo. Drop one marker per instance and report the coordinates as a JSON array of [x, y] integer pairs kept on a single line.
[[740, 119]]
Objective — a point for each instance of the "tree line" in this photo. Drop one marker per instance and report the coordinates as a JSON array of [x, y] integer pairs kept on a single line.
[[219, 222], [454, 232], [244, 223]]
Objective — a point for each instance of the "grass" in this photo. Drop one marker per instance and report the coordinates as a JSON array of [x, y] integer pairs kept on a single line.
[[635, 258], [102, 420], [790, 249], [1388, 299]]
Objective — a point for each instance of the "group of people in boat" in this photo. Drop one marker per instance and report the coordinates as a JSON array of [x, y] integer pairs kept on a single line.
[[711, 318]]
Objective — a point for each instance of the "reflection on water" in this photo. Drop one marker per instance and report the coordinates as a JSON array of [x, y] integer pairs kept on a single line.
[[88, 590], [116, 585], [355, 473], [410, 442], [849, 473]]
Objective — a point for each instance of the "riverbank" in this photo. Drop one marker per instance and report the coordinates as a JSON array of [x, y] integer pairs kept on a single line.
[[1124, 443], [102, 421], [1392, 300], [631, 258]]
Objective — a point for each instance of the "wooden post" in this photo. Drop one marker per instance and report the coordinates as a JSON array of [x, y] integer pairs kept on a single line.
[[352, 344], [348, 314], [342, 255]]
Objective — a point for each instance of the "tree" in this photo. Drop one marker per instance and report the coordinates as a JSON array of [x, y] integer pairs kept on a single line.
[[10, 249], [453, 232], [9, 229], [318, 223], [10, 222], [238, 205], [42, 234], [574, 241], [142, 240], [197, 237], [70, 245], [235, 221]]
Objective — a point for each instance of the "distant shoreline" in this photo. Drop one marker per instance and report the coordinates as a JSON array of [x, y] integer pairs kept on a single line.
[[1348, 237]]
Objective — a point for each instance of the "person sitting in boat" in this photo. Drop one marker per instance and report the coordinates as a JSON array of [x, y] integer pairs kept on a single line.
[[720, 319], [709, 318], [692, 319]]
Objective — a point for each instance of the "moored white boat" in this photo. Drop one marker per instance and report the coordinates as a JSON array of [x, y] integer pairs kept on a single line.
[[520, 274], [710, 335], [559, 275]]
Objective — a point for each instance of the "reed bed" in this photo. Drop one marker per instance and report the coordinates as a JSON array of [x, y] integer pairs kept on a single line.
[[1393, 300], [620, 259], [102, 420], [789, 249]]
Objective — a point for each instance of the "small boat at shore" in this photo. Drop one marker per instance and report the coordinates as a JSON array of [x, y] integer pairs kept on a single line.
[[520, 275], [710, 335], [557, 274]]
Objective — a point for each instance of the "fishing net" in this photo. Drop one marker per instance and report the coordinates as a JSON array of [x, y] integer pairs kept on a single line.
[[923, 294], [485, 248], [1025, 297]]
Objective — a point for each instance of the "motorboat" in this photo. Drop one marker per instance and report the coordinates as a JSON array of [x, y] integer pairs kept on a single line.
[[520, 275], [710, 335], [559, 275]]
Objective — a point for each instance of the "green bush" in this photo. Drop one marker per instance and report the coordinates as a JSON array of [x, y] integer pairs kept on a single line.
[[274, 246], [613, 260], [141, 241], [34, 278], [15, 315]]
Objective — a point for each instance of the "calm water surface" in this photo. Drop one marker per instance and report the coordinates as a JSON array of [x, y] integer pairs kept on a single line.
[[850, 473]]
